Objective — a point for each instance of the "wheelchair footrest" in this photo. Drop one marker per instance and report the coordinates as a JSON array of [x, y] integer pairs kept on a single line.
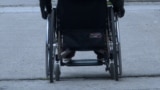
[[84, 62]]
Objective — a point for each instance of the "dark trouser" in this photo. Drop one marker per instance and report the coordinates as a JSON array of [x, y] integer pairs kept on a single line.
[[72, 53]]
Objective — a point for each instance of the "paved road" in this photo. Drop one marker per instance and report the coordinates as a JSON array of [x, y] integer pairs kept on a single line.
[[36, 2], [18, 2], [22, 60]]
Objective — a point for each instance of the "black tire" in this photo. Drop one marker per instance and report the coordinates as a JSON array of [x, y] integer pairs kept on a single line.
[[112, 70], [118, 47], [114, 40], [120, 62], [47, 48], [51, 69], [57, 71], [51, 37]]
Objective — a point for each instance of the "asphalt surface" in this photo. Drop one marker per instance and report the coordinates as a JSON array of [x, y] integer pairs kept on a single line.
[[19, 2], [22, 52]]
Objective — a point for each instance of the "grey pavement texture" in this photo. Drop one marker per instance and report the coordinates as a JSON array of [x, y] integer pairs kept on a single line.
[[36, 2], [22, 53], [18, 2]]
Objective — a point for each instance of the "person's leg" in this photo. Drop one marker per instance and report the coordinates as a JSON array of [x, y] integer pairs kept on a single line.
[[67, 55], [70, 54], [100, 54]]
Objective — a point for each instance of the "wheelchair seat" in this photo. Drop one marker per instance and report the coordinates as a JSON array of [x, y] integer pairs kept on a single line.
[[82, 23]]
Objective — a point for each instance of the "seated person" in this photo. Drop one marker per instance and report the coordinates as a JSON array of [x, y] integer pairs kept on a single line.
[[46, 8]]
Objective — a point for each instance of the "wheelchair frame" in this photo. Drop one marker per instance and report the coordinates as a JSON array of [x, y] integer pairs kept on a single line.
[[53, 49]]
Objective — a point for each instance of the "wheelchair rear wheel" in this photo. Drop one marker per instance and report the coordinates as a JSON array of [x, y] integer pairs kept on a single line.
[[50, 48], [119, 58], [115, 63], [50, 45], [47, 55]]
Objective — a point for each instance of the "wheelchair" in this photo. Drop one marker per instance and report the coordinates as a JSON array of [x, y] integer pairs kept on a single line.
[[63, 25]]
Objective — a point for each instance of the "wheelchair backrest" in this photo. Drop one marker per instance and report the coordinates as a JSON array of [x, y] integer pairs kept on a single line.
[[82, 14]]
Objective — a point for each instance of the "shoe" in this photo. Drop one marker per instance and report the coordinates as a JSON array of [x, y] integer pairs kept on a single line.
[[66, 60], [100, 60], [100, 57], [65, 53]]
